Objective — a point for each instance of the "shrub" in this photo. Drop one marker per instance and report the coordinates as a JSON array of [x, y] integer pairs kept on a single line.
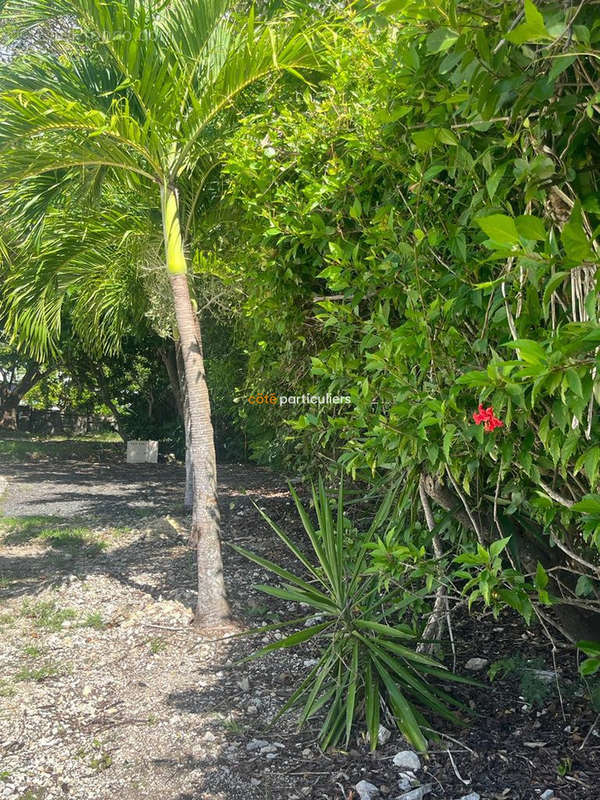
[[368, 655]]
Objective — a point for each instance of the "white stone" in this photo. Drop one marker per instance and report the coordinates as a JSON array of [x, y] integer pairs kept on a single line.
[[547, 795], [475, 664], [416, 794], [383, 735], [407, 760], [366, 790], [256, 744], [142, 452], [406, 781], [470, 796]]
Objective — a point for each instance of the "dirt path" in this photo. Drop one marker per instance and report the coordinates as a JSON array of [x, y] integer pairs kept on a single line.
[[107, 692]]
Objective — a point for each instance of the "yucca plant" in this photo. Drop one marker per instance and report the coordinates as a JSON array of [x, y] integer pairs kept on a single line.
[[368, 660]]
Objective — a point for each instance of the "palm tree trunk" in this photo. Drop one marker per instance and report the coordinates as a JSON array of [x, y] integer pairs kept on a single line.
[[188, 499], [212, 608]]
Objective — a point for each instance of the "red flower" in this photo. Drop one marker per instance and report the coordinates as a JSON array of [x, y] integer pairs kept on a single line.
[[486, 416]]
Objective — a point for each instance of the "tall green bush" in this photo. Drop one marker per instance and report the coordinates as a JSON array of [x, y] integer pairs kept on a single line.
[[425, 228]]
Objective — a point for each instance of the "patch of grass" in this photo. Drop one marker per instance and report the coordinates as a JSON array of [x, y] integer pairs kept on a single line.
[[73, 540], [53, 531], [5, 583], [93, 447], [101, 762], [94, 621], [257, 611], [6, 619], [38, 675], [157, 645], [45, 614], [533, 687], [18, 530], [233, 726], [33, 651], [6, 690], [31, 795]]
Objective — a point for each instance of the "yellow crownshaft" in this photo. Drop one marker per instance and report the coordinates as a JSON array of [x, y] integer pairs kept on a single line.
[[176, 263]]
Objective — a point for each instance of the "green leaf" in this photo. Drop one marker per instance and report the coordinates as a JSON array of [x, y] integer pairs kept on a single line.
[[500, 228], [493, 181], [351, 696], [589, 667], [474, 378], [372, 702], [553, 284], [425, 139], [541, 577], [584, 587], [290, 641], [574, 238], [392, 6], [532, 30], [498, 546], [589, 648], [589, 505], [356, 209], [531, 228], [531, 351], [574, 382], [440, 39], [403, 712], [590, 463]]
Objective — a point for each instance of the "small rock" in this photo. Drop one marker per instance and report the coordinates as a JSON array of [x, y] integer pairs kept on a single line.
[[366, 790], [470, 796], [544, 675], [407, 760], [407, 781], [418, 793], [256, 744], [310, 662], [244, 684], [475, 664], [383, 735], [86, 691], [547, 795]]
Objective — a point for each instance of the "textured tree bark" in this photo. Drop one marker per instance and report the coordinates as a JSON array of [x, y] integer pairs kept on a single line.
[[188, 498], [10, 399], [168, 356], [575, 623], [212, 610]]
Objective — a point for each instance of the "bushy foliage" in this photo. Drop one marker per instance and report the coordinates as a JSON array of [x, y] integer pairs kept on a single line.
[[424, 228]]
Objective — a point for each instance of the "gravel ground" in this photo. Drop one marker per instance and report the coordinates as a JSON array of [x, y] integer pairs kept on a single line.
[[107, 691]]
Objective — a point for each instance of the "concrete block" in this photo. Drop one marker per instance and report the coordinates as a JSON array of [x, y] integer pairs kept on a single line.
[[142, 452]]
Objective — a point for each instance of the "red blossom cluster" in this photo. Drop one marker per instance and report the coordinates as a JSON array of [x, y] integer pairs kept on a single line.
[[486, 416]]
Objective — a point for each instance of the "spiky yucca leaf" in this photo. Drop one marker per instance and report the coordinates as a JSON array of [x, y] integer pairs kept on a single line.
[[365, 659]]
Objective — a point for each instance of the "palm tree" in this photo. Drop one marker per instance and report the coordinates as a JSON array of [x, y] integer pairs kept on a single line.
[[144, 95]]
